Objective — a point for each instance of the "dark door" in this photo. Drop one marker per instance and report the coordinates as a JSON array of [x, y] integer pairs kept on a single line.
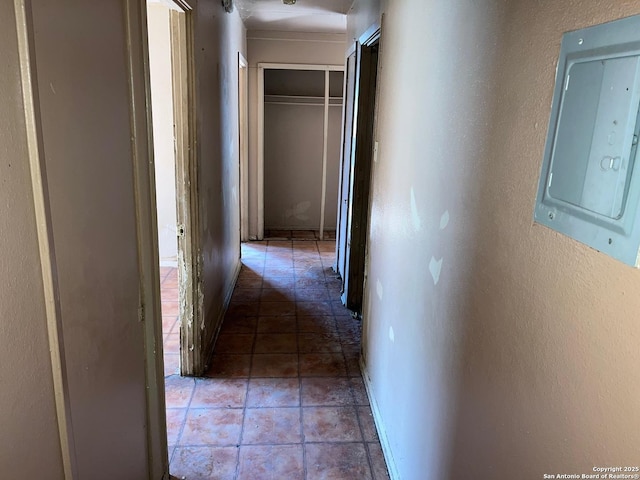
[[360, 181]]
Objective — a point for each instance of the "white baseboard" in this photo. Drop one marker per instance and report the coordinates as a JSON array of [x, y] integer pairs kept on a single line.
[[377, 419]]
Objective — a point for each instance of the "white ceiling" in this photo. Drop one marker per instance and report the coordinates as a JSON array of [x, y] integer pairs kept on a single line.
[[321, 16]]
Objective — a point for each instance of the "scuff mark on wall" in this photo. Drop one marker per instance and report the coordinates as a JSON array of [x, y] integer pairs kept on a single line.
[[298, 211], [435, 267], [444, 220], [415, 216]]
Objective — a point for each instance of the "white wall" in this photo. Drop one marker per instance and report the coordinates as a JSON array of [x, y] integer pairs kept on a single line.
[[282, 47], [163, 133], [493, 347]]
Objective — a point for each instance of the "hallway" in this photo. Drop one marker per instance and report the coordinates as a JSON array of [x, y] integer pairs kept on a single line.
[[283, 397]]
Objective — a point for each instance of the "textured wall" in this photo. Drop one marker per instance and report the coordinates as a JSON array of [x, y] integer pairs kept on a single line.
[[494, 347], [219, 37], [27, 408], [551, 383]]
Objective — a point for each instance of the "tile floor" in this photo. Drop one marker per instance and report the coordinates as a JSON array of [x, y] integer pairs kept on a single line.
[[272, 234], [283, 398]]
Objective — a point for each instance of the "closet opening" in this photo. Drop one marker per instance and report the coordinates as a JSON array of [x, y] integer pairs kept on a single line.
[[299, 138]]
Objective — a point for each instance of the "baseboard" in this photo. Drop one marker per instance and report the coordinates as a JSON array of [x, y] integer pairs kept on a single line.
[[377, 419], [223, 311]]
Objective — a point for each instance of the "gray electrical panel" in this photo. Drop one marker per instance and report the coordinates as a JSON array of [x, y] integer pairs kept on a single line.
[[590, 182]]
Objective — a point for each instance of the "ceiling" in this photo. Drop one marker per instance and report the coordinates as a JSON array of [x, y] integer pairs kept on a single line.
[[320, 16]]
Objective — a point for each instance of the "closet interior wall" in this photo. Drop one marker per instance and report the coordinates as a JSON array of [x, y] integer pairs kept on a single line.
[[301, 148]]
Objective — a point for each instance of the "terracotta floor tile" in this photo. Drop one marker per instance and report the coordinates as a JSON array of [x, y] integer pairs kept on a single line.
[[282, 268], [164, 271], [205, 463], [273, 426], [234, 343], [274, 365], [277, 295], [175, 421], [247, 272], [286, 283], [322, 365], [279, 402], [178, 391], [326, 391], [239, 325], [249, 282], [273, 392], [279, 462], [255, 263], [169, 294], [212, 426], [170, 282], [359, 391], [171, 364], [318, 343], [247, 309], [303, 283], [369, 432], [169, 323], [330, 424], [246, 295], [317, 324], [314, 308], [353, 364], [312, 294], [276, 343], [275, 309], [337, 462], [229, 366], [219, 393], [170, 308], [277, 324], [172, 343], [378, 463]]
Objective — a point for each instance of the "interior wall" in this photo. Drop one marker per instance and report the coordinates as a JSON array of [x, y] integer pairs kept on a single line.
[[551, 383], [219, 36], [163, 133], [491, 345], [27, 405], [282, 47]]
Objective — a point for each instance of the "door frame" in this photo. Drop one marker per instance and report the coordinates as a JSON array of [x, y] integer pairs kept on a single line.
[[361, 161], [260, 160], [187, 187], [243, 142], [349, 88]]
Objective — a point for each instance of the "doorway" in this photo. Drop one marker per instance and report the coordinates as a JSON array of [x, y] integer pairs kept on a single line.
[[358, 152], [243, 129], [299, 121], [171, 65]]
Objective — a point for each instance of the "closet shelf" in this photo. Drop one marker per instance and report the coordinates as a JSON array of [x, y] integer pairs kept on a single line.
[[301, 100]]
